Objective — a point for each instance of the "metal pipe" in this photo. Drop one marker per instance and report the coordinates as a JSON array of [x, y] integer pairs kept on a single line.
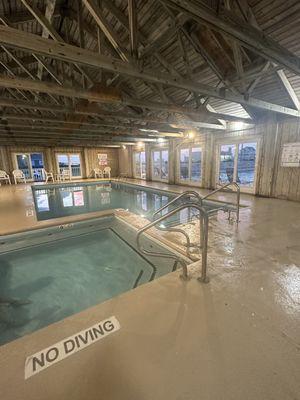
[[204, 242], [187, 193], [188, 240], [203, 232], [238, 196]]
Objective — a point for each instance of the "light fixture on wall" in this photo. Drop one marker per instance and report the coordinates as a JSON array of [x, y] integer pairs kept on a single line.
[[190, 134], [140, 144], [123, 146]]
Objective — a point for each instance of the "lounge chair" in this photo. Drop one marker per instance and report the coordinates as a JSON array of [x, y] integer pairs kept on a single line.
[[48, 175], [63, 175], [98, 173], [107, 171], [19, 176], [4, 177]]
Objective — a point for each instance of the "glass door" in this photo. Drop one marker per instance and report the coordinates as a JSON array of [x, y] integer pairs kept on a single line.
[[227, 163], [71, 163], [139, 161], [237, 162], [31, 164], [23, 163], [160, 165], [190, 165]]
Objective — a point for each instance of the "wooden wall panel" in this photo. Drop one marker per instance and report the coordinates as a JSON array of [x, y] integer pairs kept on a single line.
[[88, 157], [92, 159], [286, 184]]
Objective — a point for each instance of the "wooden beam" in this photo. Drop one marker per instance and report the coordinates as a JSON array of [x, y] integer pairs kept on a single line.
[[288, 88], [250, 17], [19, 17], [43, 21], [50, 7], [18, 62], [108, 95], [18, 120], [104, 25], [51, 31], [48, 68], [235, 27], [96, 112], [62, 51], [104, 96], [132, 16]]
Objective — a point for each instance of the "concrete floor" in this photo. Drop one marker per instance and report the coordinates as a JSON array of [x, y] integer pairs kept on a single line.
[[234, 338]]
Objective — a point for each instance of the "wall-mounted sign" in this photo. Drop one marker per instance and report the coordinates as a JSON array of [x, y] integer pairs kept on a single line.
[[290, 156], [51, 355], [102, 158]]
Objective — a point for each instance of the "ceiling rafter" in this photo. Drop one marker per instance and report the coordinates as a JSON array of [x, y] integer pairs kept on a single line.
[[249, 36], [104, 25], [62, 51], [251, 19], [46, 25], [96, 112]]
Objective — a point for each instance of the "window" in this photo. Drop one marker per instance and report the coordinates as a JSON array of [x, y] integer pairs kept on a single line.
[[237, 163], [31, 164], [71, 163], [160, 165], [190, 164], [139, 164]]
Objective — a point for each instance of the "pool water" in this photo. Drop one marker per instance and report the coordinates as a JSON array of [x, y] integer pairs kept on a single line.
[[44, 283], [65, 200], [61, 201]]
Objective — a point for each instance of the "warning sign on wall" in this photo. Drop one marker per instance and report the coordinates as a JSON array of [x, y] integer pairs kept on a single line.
[[290, 156], [102, 159]]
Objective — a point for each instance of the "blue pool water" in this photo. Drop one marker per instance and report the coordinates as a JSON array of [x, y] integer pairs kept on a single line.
[[65, 200], [44, 283]]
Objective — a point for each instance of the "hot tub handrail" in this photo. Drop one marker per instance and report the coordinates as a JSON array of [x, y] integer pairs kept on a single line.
[[186, 193], [203, 236], [227, 187]]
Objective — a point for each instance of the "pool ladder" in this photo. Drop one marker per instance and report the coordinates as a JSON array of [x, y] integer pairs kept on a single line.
[[196, 203]]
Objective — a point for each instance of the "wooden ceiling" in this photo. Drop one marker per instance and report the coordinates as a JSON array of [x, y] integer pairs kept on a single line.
[[85, 72]]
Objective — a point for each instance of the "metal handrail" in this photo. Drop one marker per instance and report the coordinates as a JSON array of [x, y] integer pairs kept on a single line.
[[238, 196], [204, 217], [182, 232], [186, 193]]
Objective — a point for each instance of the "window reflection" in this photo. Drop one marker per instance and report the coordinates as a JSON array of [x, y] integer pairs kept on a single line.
[[78, 198], [67, 199], [42, 201], [105, 198]]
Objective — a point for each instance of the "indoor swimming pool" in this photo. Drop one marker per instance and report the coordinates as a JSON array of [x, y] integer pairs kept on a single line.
[[54, 201], [49, 274]]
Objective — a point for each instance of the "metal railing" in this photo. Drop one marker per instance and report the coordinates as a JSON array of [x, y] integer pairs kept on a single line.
[[204, 219], [226, 188], [184, 194]]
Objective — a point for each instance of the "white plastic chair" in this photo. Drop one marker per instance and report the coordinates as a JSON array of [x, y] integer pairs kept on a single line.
[[98, 173], [63, 175], [4, 177], [107, 171], [48, 175], [18, 176]]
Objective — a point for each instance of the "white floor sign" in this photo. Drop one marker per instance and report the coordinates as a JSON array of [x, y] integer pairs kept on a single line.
[[68, 346]]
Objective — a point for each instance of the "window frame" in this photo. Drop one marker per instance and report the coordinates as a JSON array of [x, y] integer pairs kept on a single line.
[[236, 143], [189, 182], [160, 150]]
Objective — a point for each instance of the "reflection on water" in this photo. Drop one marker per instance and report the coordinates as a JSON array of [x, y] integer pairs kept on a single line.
[[70, 200]]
